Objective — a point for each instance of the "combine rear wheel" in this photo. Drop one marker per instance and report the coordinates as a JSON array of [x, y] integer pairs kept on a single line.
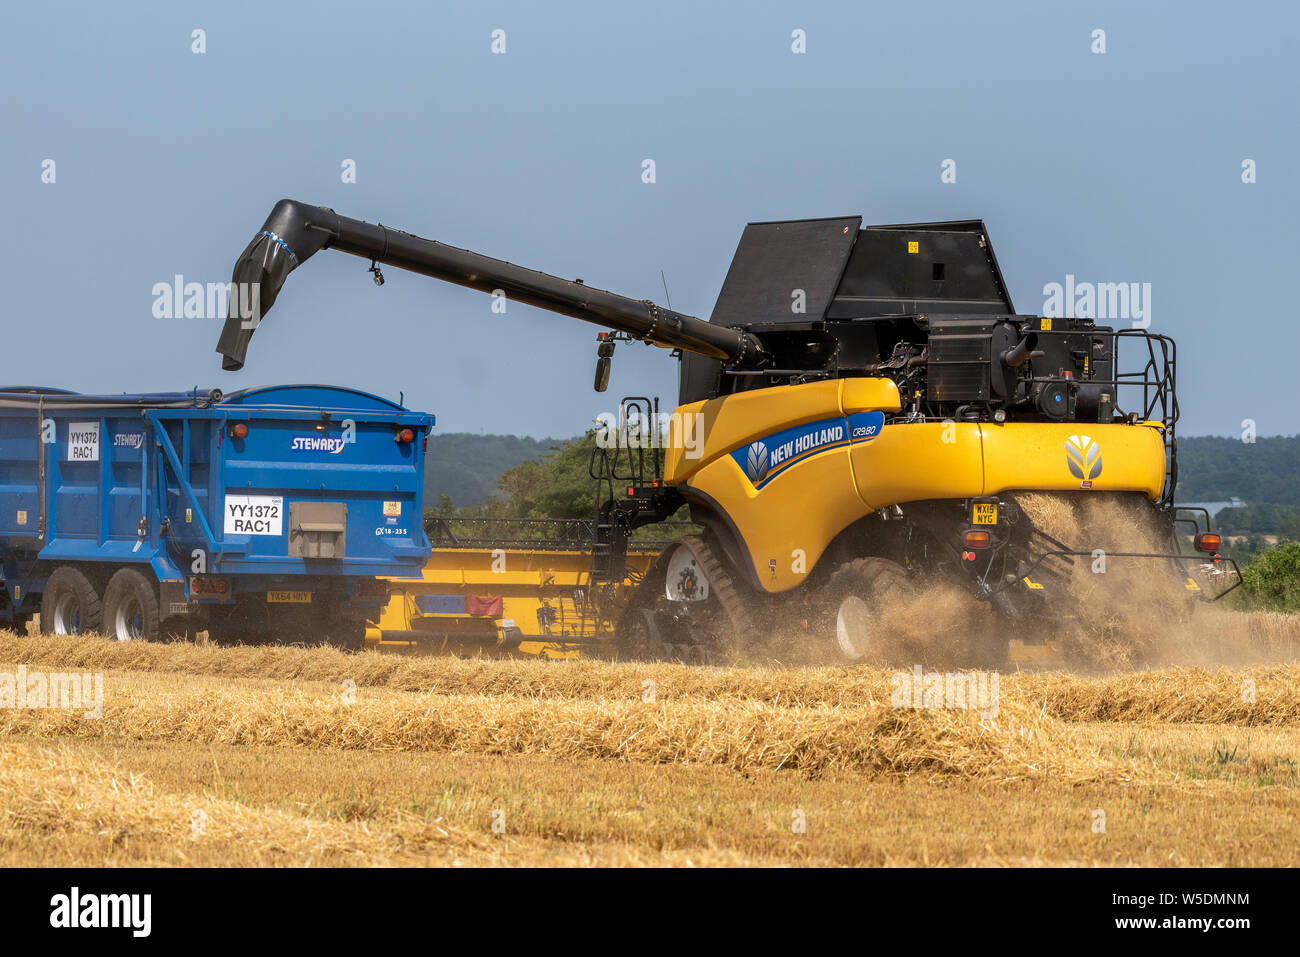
[[858, 597]]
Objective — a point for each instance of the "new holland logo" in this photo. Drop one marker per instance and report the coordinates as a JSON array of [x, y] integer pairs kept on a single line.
[[1083, 456], [756, 462]]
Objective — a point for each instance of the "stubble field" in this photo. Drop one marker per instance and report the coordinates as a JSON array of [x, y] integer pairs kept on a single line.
[[308, 756]]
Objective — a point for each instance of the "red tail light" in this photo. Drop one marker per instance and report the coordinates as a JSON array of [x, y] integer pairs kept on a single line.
[[239, 430], [978, 539], [1208, 542], [209, 586], [404, 436]]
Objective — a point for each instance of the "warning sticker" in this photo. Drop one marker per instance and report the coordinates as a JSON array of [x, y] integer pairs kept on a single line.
[[83, 441], [254, 515], [392, 508], [913, 247]]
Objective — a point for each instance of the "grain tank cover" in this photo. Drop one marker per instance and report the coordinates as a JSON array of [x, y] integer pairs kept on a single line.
[[847, 271], [922, 268], [775, 259]]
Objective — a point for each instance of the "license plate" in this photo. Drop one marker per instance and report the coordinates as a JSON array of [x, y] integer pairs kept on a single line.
[[289, 597], [983, 514]]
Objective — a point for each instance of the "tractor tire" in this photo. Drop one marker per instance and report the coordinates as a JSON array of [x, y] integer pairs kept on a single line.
[[70, 604], [131, 607], [857, 597]]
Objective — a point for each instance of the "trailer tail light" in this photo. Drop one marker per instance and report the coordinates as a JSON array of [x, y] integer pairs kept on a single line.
[[372, 589], [239, 430], [976, 538], [1208, 542], [404, 436], [211, 587]]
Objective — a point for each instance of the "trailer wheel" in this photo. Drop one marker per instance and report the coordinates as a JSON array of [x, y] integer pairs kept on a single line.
[[70, 604], [130, 607]]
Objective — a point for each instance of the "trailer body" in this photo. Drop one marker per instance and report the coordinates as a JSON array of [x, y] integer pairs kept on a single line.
[[267, 509]]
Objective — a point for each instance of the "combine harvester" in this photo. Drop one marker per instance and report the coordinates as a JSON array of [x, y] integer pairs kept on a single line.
[[254, 516], [879, 434]]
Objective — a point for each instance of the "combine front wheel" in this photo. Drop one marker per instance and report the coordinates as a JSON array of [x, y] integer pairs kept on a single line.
[[689, 608]]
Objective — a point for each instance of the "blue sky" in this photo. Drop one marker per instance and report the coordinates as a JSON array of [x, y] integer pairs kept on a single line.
[[1120, 167]]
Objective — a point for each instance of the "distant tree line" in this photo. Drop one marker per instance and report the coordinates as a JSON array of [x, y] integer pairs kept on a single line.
[[1213, 469]]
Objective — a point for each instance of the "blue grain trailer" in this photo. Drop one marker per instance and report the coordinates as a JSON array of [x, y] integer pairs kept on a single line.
[[269, 513]]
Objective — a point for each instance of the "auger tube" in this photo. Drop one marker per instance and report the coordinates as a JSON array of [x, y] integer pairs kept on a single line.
[[295, 231]]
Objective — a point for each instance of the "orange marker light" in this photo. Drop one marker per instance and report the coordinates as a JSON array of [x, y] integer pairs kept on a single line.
[[1208, 542]]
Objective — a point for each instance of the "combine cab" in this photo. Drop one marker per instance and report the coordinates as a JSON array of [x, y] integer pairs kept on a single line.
[[874, 414]]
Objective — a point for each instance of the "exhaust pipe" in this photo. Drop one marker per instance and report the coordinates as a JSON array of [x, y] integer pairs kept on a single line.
[[1023, 351]]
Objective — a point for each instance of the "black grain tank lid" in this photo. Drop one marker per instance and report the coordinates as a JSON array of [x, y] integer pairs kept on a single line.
[[848, 272]]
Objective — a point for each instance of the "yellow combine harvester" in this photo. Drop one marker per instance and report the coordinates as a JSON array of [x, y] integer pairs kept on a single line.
[[864, 411]]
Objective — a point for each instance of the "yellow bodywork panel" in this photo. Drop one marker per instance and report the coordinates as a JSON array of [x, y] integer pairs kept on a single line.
[[792, 466], [786, 534], [735, 420], [1033, 455], [920, 460]]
